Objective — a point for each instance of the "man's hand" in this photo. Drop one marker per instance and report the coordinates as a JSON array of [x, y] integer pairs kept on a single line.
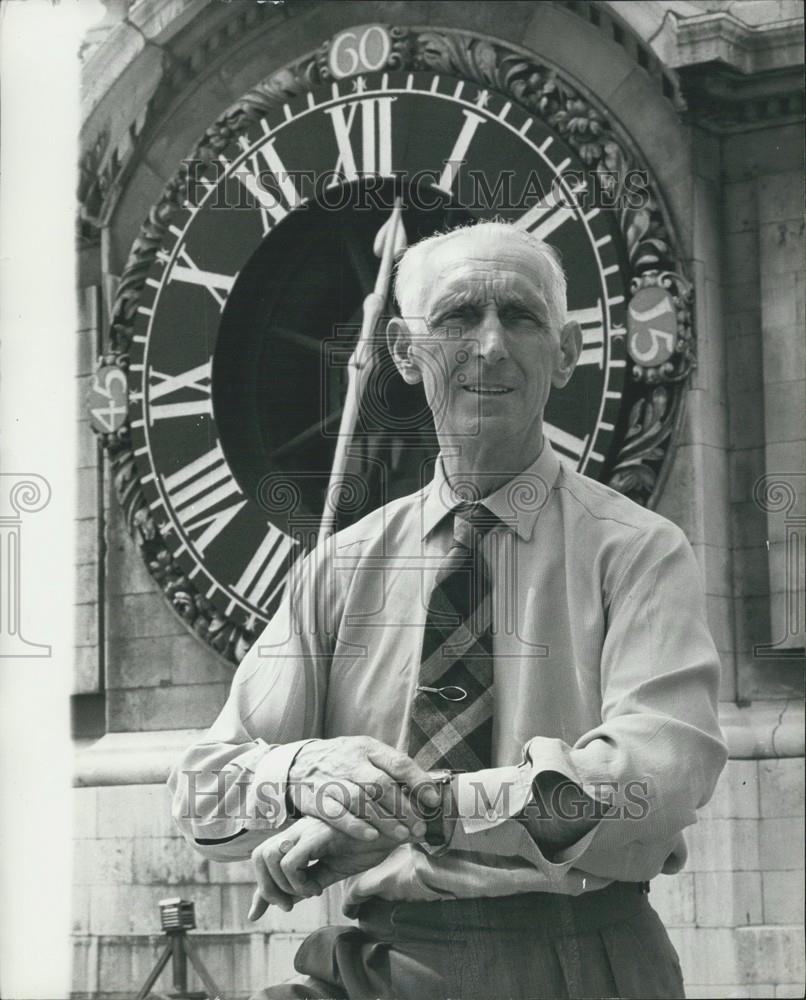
[[354, 783], [284, 865]]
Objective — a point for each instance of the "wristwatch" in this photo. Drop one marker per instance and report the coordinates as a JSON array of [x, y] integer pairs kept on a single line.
[[436, 827]]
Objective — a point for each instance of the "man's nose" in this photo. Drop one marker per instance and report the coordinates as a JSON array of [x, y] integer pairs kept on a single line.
[[491, 338]]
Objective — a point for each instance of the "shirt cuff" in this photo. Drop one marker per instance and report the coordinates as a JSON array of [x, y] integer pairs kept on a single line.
[[488, 797], [511, 839], [266, 796], [484, 799], [542, 755]]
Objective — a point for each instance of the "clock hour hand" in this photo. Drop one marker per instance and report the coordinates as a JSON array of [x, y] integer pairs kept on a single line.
[[391, 238]]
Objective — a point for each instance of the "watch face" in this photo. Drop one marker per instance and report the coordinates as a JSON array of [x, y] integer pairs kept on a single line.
[[245, 323]]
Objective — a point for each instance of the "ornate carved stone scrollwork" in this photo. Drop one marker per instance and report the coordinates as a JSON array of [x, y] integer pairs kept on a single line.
[[93, 184], [542, 90], [650, 424]]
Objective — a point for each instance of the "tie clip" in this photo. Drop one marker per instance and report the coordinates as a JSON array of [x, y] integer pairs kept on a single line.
[[451, 692]]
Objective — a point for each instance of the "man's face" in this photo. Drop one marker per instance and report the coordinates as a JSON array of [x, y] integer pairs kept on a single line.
[[483, 340]]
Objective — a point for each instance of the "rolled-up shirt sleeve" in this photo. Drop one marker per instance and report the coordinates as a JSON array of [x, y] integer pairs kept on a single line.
[[228, 789], [656, 756]]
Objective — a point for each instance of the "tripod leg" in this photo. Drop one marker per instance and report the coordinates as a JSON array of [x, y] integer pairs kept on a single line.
[[213, 991], [180, 965], [154, 976]]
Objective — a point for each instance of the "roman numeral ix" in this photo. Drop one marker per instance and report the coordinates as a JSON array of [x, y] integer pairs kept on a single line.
[[194, 382]]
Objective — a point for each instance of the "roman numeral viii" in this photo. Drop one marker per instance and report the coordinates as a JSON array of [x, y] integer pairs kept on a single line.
[[204, 497]]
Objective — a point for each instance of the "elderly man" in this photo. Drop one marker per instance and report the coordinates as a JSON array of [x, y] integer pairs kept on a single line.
[[488, 707]]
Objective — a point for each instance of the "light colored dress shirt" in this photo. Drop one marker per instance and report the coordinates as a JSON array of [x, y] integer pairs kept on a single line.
[[605, 672]]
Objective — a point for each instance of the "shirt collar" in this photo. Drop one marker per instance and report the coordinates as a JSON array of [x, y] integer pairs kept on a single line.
[[517, 503]]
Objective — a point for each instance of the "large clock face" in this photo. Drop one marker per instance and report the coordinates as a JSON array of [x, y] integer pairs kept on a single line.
[[254, 301]]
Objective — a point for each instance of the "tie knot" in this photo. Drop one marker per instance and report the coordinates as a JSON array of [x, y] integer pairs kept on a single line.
[[471, 523]]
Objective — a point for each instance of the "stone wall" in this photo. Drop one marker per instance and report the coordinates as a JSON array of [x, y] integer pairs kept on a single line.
[[735, 914], [86, 671], [765, 276]]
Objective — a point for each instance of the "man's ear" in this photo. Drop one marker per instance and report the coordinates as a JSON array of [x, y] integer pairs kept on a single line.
[[398, 337], [570, 349]]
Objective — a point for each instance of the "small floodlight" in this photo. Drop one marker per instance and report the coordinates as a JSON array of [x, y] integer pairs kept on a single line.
[[177, 914]]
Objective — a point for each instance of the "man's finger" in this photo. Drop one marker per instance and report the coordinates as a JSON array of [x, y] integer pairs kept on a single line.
[[296, 862], [336, 813], [258, 907], [402, 768], [267, 893], [393, 800], [332, 803], [388, 825], [324, 875], [269, 890], [358, 798], [295, 865], [343, 800], [274, 862]]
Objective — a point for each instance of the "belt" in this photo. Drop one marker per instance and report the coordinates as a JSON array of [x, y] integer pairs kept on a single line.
[[550, 913]]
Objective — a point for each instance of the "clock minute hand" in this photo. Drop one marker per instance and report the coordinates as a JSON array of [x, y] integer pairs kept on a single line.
[[391, 237]]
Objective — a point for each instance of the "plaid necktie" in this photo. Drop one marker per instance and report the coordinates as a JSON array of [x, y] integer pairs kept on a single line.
[[452, 713]]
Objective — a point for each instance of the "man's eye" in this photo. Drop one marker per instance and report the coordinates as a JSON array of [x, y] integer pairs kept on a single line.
[[518, 316]]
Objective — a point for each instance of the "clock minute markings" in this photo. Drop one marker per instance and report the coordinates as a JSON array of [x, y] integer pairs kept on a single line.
[[591, 323]]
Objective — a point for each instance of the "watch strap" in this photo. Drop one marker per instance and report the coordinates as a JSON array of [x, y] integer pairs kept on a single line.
[[435, 835]]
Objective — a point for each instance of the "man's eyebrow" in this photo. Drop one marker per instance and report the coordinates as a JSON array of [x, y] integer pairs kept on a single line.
[[455, 297], [513, 298], [452, 298], [535, 303]]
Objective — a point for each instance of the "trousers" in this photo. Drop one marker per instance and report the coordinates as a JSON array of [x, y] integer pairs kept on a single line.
[[608, 943]]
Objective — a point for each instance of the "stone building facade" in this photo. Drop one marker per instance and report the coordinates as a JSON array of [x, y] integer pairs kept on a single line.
[[711, 95]]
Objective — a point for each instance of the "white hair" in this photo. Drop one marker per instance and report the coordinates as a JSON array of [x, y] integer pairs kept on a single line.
[[548, 267]]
